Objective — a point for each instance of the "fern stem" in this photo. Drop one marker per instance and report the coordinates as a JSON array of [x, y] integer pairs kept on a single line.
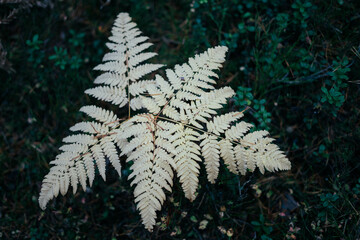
[[164, 107], [128, 83]]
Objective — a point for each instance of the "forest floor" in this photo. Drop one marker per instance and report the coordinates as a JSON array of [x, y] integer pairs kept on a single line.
[[294, 63]]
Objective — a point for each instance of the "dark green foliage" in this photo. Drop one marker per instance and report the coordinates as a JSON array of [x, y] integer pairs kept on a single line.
[[36, 56], [244, 98], [295, 64], [337, 84], [261, 228]]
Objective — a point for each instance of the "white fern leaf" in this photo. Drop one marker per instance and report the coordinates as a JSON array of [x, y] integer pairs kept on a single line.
[[176, 81], [180, 129], [112, 79], [151, 105], [74, 180], [90, 127], [114, 56], [220, 123], [111, 94], [165, 86], [89, 168], [115, 47], [100, 114], [139, 87], [133, 42], [244, 159], [136, 103], [138, 49], [112, 66], [211, 152], [111, 153], [172, 113], [187, 86], [227, 153], [74, 148], [50, 188], [143, 70], [238, 130], [152, 171], [80, 138], [83, 150], [186, 158], [99, 157], [81, 172], [137, 59], [124, 65], [64, 183]]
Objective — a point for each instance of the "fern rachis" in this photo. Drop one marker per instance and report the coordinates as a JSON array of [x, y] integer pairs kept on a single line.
[[180, 129]]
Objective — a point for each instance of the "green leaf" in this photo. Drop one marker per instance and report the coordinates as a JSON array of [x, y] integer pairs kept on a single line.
[[324, 90], [255, 223], [193, 219]]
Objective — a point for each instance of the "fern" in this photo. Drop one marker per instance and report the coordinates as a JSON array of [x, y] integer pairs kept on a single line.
[[179, 130], [120, 84]]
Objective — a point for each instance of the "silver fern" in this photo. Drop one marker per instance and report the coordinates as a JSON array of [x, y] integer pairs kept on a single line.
[[120, 84], [180, 129]]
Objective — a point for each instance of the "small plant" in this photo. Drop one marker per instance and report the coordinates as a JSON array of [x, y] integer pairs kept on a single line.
[[35, 55], [302, 13], [63, 60], [76, 39], [328, 202], [180, 126], [230, 40], [244, 98], [356, 189], [75, 62], [332, 92], [60, 57], [322, 152], [262, 228]]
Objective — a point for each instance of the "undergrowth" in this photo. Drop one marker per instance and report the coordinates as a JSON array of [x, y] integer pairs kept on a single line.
[[300, 59]]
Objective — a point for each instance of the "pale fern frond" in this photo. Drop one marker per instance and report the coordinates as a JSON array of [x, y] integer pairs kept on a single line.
[[152, 166], [137, 59], [191, 91], [81, 171], [112, 66], [142, 70], [138, 49], [238, 130], [100, 114], [76, 163], [192, 100], [99, 156], [210, 149], [74, 148], [89, 164], [110, 94], [112, 79], [124, 65], [187, 158], [110, 151], [220, 123], [136, 103], [90, 127], [182, 127], [227, 153], [80, 138], [139, 87]]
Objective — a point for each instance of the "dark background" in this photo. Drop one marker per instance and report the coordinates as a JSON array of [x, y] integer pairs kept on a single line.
[[295, 63]]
